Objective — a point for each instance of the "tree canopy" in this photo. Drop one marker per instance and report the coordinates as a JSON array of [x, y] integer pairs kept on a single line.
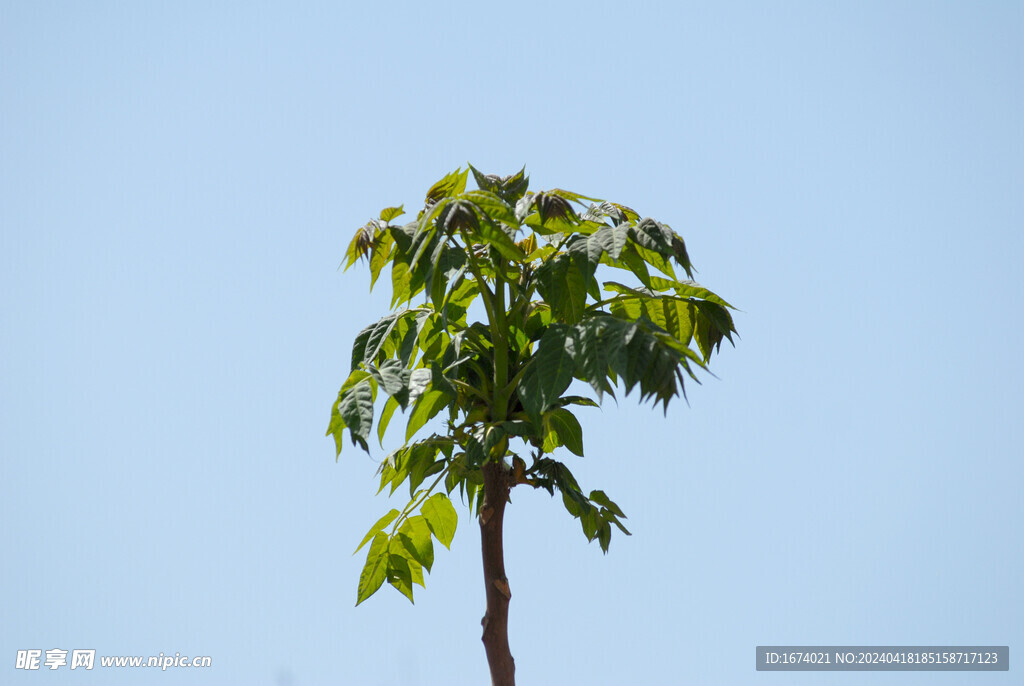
[[529, 264]]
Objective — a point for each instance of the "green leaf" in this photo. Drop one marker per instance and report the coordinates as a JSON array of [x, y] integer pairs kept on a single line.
[[362, 243], [718, 316], [401, 280], [375, 569], [678, 319], [452, 184], [679, 252], [491, 205], [419, 379], [415, 536], [567, 428], [399, 571], [656, 260], [428, 405], [371, 341], [576, 400], [551, 372], [493, 436], [422, 463], [392, 375], [356, 408], [604, 536], [562, 282], [632, 260], [630, 214], [635, 352], [385, 418], [441, 518], [687, 289], [592, 358], [416, 571], [389, 213], [653, 235], [494, 236], [380, 255], [672, 314], [603, 500], [458, 300], [569, 195], [394, 469], [379, 526], [427, 240], [509, 188], [608, 240]]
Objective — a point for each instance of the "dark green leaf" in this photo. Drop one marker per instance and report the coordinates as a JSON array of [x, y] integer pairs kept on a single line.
[[635, 263], [460, 215], [567, 428], [419, 379], [399, 572], [356, 408], [652, 235], [576, 400], [562, 282], [551, 372], [604, 535], [509, 188], [603, 500]]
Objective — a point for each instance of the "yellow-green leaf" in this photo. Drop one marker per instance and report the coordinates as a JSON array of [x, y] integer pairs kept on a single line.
[[376, 528], [375, 569], [441, 518]]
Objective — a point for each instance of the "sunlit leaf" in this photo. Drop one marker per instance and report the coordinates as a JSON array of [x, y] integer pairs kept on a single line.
[[441, 518], [451, 185], [385, 418], [415, 536], [389, 213], [375, 569], [376, 528], [491, 205], [427, 405]]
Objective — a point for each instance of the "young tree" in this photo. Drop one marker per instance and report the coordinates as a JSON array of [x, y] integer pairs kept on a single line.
[[501, 386]]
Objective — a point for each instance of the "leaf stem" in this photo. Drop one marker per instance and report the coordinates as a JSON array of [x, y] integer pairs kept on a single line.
[[418, 499]]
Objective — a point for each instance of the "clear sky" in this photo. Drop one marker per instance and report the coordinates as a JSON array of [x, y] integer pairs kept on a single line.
[[178, 182]]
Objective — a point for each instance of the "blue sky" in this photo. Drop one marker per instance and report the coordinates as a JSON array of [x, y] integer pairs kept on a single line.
[[178, 182]]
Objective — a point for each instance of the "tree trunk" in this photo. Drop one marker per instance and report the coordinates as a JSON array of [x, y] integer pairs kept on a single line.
[[495, 621]]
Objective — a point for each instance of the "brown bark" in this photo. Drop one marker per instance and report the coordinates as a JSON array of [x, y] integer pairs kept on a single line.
[[495, 622]]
